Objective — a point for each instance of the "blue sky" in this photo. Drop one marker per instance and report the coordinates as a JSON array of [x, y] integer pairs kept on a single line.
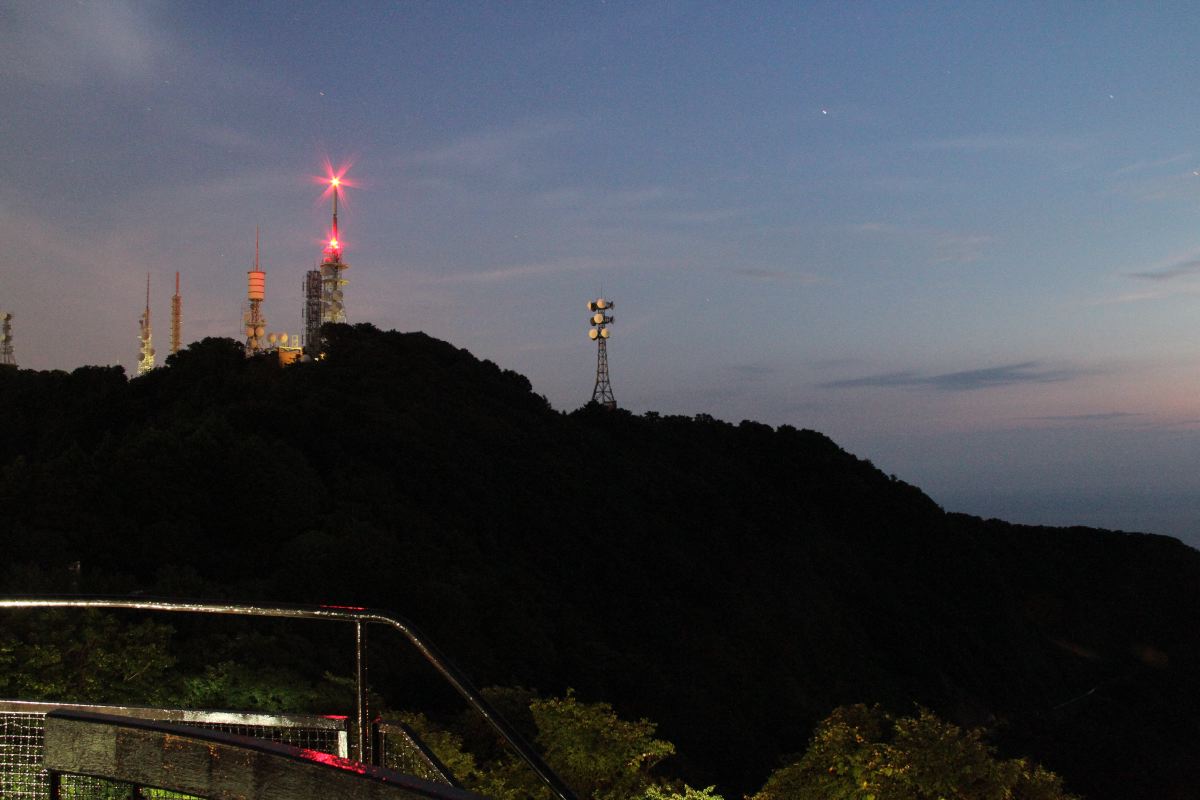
[[962, 239]]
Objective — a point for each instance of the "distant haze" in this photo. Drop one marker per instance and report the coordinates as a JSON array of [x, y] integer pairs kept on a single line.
[[1126, 479]]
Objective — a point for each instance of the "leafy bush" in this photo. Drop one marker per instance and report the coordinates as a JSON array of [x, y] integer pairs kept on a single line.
[[863, 753]]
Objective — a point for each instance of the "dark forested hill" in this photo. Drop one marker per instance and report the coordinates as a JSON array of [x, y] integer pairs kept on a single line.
[[733, 582]]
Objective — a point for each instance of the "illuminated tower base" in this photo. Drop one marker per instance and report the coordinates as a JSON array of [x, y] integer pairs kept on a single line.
[[256, 328], [332, 307], [603, 393]]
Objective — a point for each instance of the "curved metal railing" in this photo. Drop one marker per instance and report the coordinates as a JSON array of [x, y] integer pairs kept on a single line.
[[361, 617]]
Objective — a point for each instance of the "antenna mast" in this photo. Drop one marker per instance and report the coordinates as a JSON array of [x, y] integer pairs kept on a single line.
[[602, 392], [256, 323], [145, 337], [176, 317]]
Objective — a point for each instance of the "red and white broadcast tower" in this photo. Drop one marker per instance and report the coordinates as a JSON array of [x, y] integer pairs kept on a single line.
[[256, 292]]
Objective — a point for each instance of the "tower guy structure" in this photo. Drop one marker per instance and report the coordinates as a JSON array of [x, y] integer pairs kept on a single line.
[[145, 337], [256, 323], [176, 317], [323, 286], [600, 320], [6, 343], [312, 313]]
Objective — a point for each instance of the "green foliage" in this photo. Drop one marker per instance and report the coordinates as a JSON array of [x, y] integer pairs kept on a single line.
[[861, 753], [598, 754], [234, 685], [84, 656], [446, 745], [655, 792]]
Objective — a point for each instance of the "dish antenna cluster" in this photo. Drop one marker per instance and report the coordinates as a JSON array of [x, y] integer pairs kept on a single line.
[[599, 333], [6, 344]]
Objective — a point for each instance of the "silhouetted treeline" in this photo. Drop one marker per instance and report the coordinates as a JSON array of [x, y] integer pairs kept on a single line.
[[733, 582]]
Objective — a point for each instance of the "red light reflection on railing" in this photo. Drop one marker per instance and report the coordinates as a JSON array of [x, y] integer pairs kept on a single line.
[[334, 761]]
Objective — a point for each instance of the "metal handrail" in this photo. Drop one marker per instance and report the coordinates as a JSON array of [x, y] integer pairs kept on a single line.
[[361, 617]]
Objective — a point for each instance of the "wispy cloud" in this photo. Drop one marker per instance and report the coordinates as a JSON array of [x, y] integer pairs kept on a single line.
[[1126, 297], [73, 44], [1158, 181], [750, 371], [877, 227], [517, 272], [1100, 417], [946, 246], [1180, 269], [777, 275], [837, 362], [960, 248], [710, 216], [1164, 279], [1000, 142], [966, 380], [488, 148], [1152, 164], [229, 138], [596, 200]]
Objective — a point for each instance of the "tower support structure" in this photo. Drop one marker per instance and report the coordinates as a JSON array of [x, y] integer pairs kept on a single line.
[[6, 340], [176, 317], [312, 313], [145, 337], [602, 392]]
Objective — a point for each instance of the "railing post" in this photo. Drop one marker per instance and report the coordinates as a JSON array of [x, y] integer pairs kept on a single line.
[[362, 718]]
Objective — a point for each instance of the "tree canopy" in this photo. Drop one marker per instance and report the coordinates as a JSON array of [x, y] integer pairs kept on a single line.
[[734, 582]]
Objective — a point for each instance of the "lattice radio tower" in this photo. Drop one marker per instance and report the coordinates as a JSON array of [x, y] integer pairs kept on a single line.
[[176, 317], [256, 323], [600, 320], [6, 343], [332, 267], [145, 337]]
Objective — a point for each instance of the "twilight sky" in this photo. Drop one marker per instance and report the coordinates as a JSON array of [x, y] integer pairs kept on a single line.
[[962, 239]]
